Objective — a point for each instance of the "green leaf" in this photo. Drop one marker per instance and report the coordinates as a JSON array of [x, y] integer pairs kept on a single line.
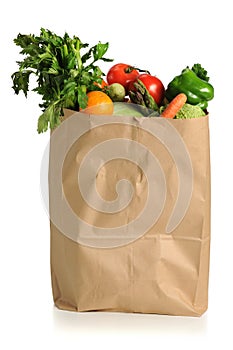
[[50, 117], [68, 87], [82, 96], [86, 78], [200, 72], [21, 81], [71, 61], [99, 50], [52, 70], [24, 41], [43, 121]]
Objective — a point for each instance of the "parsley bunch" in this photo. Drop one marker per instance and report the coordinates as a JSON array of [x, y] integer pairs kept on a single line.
[[64, 73]]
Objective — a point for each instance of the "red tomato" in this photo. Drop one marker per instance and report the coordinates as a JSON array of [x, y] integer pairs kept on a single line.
[[122, 73], [154, 86]]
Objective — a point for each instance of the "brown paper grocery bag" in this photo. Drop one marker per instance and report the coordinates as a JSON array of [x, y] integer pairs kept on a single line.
[[130, 214]]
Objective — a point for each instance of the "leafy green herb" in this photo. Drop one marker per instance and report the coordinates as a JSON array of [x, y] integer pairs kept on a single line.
[[64, 72], [200, 72]]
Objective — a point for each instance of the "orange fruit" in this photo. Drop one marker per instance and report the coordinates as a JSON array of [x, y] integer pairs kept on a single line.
[[98, 103]]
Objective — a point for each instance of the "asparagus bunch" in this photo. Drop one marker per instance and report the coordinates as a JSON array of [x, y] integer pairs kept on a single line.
[[142, 97]]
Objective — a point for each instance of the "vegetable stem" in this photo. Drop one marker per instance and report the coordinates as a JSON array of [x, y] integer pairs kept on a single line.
[[65, 50], [131, 68], [78, 54]]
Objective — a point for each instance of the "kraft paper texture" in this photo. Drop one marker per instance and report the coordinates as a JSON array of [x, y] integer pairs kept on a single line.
[[103, 262]]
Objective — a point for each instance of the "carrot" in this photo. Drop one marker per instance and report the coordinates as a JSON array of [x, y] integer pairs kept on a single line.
[[174, 106]]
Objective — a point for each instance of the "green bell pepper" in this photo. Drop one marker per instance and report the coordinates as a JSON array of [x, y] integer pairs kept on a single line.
[[197, 90]]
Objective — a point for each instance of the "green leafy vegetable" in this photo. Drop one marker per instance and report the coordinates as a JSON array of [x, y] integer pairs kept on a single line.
[[64, 72], [131, 109], [200, 72], [189, 111]]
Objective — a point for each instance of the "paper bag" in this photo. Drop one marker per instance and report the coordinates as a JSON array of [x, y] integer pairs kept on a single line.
[[130, 214]]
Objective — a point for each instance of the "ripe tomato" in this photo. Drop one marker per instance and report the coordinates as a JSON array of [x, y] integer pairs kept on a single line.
[[154, 86], [122, 73]]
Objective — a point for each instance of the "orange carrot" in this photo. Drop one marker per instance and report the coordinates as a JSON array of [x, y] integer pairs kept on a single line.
[[174, 106]]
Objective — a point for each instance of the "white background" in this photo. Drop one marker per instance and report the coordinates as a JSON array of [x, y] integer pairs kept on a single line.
[[164, 39]]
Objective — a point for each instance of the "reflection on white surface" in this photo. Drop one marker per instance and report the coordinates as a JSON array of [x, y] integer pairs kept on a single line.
[[127, 323]]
